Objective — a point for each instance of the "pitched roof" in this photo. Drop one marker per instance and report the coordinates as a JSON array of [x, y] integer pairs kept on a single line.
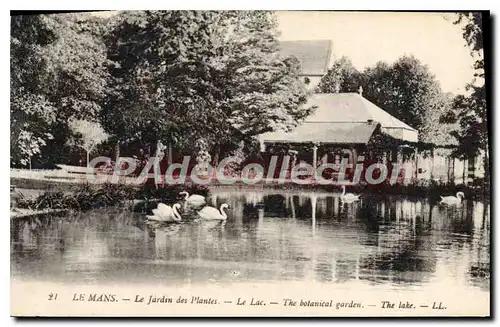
[[343, 118], [350, 107], [335, 133], [313, 55]]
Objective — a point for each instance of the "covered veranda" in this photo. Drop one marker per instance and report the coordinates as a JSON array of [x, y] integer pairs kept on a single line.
[[345, 125]]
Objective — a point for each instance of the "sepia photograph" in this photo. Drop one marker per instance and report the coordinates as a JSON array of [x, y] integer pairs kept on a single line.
[[250, 163]]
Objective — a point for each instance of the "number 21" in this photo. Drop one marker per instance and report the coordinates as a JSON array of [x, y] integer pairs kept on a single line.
[[52, 296]]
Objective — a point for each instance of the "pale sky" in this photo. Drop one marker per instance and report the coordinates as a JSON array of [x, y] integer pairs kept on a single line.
[[367, 37]]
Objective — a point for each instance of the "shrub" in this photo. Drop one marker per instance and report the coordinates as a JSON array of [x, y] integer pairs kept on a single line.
[[84, 197]]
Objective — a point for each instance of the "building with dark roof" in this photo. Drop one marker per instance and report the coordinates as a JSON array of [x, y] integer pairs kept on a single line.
[[341, 122], [344, 123], [349, 123], [343, 118]]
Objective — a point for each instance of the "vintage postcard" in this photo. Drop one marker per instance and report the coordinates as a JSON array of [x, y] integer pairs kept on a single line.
[[250, 163]]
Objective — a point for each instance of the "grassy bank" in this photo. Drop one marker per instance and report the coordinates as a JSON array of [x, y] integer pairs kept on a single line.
[[41, 184], [87, 196]]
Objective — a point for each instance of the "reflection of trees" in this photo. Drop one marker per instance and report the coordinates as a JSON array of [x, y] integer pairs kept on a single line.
[[479, 269], [456, 220], [31, 236], [369, 219], [379, 239], [345, 267], [391, 240], [403, 254], [401, 266], [275, 206], [71, 245]]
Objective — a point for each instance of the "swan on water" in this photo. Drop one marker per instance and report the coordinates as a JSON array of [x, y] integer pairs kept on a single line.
[[211, 213], [166, 213], [193, 199], [452, 199], [349, 197]]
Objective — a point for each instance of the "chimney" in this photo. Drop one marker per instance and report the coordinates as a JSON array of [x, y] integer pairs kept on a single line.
[[360, 90]]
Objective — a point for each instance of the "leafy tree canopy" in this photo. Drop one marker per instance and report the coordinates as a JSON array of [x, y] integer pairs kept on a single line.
[[406, 89], [470, 110], [186, 76], [31, 110], [57, 73]]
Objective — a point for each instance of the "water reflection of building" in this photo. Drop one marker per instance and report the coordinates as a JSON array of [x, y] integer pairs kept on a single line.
[[379, 239], [291, 235]]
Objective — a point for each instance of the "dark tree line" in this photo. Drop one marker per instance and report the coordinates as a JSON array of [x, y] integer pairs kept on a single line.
[[470, 110], [205, 82], [409, 91], [58, 73], [201, 81], [406, 89]]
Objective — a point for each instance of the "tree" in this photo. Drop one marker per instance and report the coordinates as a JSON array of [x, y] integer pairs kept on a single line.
[[159, 66], [86, 135], [31, 111], [472, 31], [57, 73], [77, 71], [470, 110], [263, 90], [342, 77], [186, 76], [472, 136], [405, 89], [408, 91]]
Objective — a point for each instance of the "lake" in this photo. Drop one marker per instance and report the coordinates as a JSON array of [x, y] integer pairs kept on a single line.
[[270, 235]]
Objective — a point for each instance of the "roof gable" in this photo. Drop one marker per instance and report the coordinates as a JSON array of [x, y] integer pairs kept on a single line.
[[313, 55]]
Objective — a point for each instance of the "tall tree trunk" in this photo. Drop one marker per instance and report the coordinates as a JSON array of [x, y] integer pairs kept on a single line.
[[449, 169], [452, 176], [471, 170], [157, 157], [215, 160], [170, 159], [486, 165], [432, 165], [464, 173], [117, 151], [416, 163], [88, 158]]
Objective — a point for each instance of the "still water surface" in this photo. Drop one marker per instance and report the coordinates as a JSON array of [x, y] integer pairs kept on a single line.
[[269, 236]]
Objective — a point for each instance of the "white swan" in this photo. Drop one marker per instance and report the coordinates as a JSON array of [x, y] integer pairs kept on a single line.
[[166, 213], [211, 213], [193, 199], [453, 200], [349, 197]]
